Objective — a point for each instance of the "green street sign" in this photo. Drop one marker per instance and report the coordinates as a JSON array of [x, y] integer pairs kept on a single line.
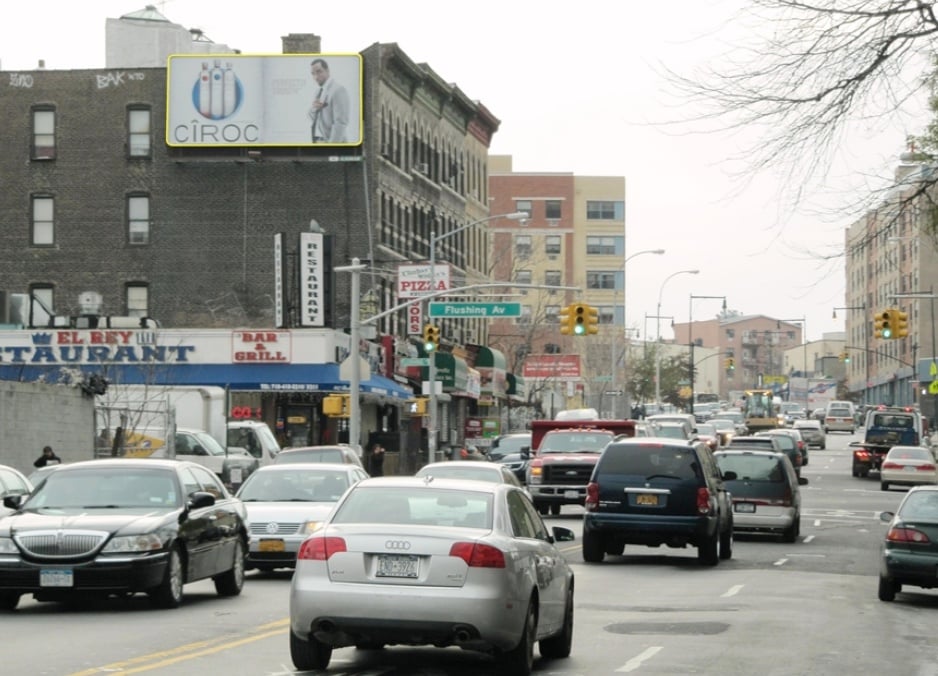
[[415, 361], [475, 310]]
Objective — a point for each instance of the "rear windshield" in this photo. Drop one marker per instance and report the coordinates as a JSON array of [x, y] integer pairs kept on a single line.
[[651, 460], [326, 455], [920, 505], [752, 467], [839, 412], [573, 442], [425, 506]]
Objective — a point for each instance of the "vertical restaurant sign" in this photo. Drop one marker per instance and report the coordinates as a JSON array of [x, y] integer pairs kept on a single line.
[[312, 279], [278, 281]]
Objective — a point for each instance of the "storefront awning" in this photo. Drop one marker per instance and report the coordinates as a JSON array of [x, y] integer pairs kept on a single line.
[[236, 377], [517, 387], [491, 366], [454, 374]]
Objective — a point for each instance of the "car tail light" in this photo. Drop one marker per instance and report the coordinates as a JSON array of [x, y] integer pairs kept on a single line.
[[862, 456], [703, 501], [926, 468], [478, 554], [892, 465], [911, 535], [320, 548], [592, 496]]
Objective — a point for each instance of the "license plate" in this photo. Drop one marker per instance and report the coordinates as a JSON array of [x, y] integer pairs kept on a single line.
[[745, 507], [271, 546], [235, 475], [571, 494], [56, 577], [397, 565], [646, 499], [909, 468]]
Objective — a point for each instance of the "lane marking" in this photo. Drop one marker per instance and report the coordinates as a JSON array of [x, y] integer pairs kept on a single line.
[[811, 537], [636, 661], [780, 562], [732, 591], [189, 651], [817, 522]]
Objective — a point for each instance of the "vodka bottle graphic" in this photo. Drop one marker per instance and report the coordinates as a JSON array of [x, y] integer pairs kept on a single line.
[[205, 91], [230, 92], [218, 86]]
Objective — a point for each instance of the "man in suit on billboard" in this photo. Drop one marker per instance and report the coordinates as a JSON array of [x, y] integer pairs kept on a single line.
[[330, 109]]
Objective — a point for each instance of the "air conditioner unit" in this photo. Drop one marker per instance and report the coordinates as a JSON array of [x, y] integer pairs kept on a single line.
[[422, 168], [552, 257]]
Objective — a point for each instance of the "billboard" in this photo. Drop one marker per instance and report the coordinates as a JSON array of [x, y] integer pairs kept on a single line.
[[238, 100], [413, 281], [546, 366]]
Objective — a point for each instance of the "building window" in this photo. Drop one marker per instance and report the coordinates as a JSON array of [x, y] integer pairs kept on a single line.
[[525, 317], [731, 334], [601, 280], [523, 277], [553, 278], [610, 245], [526, 206], [552, 208], [523, 246], [43, 135], [41, 307], [605, 210], [138, 219], [552, 314], [138, 132], [551, 348], [607, 314], [138, 300], [552, 245], [43, 230]]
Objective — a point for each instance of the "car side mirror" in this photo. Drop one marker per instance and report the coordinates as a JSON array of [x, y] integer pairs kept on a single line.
[[525, 452], [562, 534], [14, 501], [200, 499], [802, 481]]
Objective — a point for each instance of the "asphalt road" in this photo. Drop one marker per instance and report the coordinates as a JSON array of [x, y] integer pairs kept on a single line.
[[803, 608]]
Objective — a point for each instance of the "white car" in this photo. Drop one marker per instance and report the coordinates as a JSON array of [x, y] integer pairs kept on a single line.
[[908, 466], [411, 561], [285, 503]]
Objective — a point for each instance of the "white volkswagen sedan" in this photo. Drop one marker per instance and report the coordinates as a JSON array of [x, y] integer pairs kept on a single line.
[[908, 466], [442, 562]]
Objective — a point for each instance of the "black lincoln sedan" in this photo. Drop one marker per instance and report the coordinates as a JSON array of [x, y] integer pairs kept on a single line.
[[120, 526]]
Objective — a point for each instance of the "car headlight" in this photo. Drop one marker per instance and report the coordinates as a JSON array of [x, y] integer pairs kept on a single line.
[[7, 546], [147, 542], [311, 527]]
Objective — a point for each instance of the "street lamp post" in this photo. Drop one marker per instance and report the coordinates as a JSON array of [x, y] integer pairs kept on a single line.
[[866, 345], [690, 339], [658, 332], [355, 378], [431, 370], [625, 388]]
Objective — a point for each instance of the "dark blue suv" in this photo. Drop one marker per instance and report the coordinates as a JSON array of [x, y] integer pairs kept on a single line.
[[654, 491]]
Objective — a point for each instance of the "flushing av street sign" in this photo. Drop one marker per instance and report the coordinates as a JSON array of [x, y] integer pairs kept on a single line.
[[475, 310]]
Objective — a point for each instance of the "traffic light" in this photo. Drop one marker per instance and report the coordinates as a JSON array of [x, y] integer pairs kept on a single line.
[[901, 321], [336, 405], [431, 338], [567, 320], [884, 325], [844, 357], [417, 407], [592, 320], [729, 363]]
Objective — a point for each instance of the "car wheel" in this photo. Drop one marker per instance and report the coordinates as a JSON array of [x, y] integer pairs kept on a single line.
[[555, 509], [594, 549], [9, 600], [168, 594], [615, 548], [883, 486], [542, 508], [369, 645], [231, 581], [726, 543], [559, 645], [822, 446], [520, 660], [790, 534], [707, 551], [309, 655], [888, 589]]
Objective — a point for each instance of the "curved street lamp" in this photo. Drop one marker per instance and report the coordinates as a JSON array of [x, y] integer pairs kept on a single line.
[[658, 332]]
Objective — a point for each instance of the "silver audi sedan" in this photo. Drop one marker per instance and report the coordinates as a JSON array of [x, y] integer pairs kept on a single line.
[[442, 562]]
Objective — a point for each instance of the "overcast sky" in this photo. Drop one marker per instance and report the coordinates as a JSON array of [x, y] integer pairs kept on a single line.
[[577, 89]]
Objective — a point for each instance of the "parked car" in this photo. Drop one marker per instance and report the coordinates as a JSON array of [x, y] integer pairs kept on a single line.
[[513, 451], [13, 484], [475, 471], [232, 465], [812, 432], [653, 492], [908, 466], [909, 553], [122, 526], [337, 453], [287, 502], [443, 563], [765, 490]]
